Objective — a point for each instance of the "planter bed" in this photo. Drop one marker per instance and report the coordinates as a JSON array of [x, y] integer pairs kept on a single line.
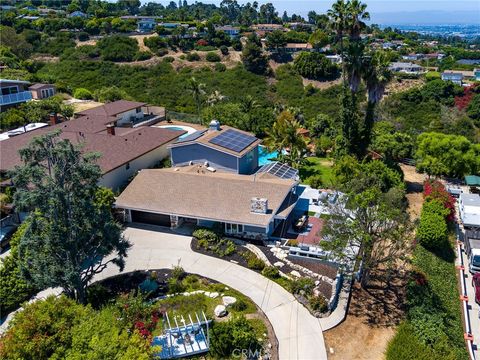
[[315, 266]]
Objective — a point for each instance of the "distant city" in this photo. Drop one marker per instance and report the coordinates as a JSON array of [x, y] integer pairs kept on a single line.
[[467, 31]]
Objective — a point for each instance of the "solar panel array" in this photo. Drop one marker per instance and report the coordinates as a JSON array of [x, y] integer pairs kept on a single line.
[[280, 170], [192, 136], [233, 140]]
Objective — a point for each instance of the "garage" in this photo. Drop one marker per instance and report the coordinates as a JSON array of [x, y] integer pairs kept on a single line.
[[150, 218]]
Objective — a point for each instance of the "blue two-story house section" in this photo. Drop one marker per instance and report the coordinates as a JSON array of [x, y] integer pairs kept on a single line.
[[222, 147]]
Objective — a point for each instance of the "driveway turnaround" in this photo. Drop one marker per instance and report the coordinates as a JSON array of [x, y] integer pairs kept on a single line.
[[299, 333]]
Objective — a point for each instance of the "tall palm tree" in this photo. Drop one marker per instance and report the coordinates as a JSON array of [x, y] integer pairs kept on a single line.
[[376, 76], [356, 13], [197, 90], [354, 64], [215, 97], [338, 20]]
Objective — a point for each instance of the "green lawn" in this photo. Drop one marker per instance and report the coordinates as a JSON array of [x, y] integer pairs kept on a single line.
[[317, 166]]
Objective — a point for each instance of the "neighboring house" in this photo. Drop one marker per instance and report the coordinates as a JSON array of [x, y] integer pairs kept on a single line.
[[124, 149], [13, 92], [222, 147], [336, 59], [231, 31], [42, 91], [469, 206], [412, 57], [455, 77], [468, 61], [406, 68], [246, 206], [476, 73], [172, 25], [268, 27], [146, 25], [434, 56], [77, 14], [299, 25], [293, 48]]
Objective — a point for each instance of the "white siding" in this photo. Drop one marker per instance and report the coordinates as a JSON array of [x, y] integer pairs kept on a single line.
[[117, 177], [125, 117]]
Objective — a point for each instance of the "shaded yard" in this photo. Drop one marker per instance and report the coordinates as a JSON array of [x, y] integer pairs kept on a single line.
[[317, 166]]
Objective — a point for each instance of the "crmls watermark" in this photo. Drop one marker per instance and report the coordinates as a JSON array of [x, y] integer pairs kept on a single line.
[[246, 353]]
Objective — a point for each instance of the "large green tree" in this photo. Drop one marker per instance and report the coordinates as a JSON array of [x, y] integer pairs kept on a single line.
[[69, 238], [252, 56]]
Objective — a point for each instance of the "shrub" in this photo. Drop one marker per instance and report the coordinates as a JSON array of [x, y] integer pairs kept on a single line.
[[302, 284], [83, 36], [318, 303], [230, 249], [224, 50], [237, 333], [205, 234], [109, 94], [239, 305], [142, 55], [118, 48], [432, 75], [82, 93], [253, 262], [193, 56], [212, 57], [175, 286], [315, 66], [432, 230], [220, 67], [237, 45], [315, 181], [168, 59], [162, 52], [271, 272], [178, 272]]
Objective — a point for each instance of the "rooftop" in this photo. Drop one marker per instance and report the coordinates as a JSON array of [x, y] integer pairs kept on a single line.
[[470, 199], [193, 191], [213, 139], [113, 108], [38, 86]]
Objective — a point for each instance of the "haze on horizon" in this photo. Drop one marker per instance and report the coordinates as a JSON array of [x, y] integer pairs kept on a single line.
[[383, 11]]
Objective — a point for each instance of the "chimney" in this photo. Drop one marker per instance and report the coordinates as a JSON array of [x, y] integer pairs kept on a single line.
[[259, 205], [214, 125], [53, 119], [111, 129]]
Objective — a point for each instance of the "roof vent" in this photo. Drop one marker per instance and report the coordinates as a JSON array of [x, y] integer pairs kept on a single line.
[[214, 125], [258, 205], [206, 164]]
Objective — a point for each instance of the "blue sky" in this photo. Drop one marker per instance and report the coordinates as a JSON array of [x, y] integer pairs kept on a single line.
[[382, 11]]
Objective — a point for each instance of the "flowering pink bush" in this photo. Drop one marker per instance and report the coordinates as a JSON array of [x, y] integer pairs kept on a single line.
[[436, 190]]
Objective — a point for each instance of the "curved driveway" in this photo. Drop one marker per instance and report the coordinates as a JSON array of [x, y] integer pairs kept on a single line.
[[299, 333]]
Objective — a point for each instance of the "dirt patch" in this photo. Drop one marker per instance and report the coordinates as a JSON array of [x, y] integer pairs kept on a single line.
[[85, 105], [91, 42], [414, 182], [322, 85], [140, 38], [46, 58], [406, 84], [372, 318]]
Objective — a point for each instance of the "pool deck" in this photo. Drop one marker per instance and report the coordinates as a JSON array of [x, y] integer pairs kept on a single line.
[[180, 123]]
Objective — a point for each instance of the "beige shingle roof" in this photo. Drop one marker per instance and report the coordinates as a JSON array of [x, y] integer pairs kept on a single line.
[[216, 196]]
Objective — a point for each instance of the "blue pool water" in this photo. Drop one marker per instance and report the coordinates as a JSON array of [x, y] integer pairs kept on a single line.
[[264, 156], [173, 127]]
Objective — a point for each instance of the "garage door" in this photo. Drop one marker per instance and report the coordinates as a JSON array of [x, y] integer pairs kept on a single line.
[[151, 218]]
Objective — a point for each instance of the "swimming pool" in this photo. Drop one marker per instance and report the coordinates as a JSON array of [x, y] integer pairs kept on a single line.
[[264, 156], [189, 130]]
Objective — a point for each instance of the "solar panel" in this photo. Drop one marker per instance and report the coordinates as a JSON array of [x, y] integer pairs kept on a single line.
[[192, 136], [233, 140], [280, 170]]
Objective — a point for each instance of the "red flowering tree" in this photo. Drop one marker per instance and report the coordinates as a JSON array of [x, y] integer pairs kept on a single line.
[[436, 190], [202, 42], [461, 102]]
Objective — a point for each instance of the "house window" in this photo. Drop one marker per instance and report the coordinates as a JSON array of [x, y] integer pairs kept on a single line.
[[9, 90], [139, 110], [233, 228], [127, 166]]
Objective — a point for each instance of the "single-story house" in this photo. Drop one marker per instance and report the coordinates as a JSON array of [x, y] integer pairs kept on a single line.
[[336, 59], [412, 57], [42, 91], [468, 61], [231, 31], [268, 27], [469, 206], [455, 77], [146, 25], [406, 68], [247, 206], [77, 14], [293, 47], [124, 149], [222, 147], [476, 73], [13, 92]]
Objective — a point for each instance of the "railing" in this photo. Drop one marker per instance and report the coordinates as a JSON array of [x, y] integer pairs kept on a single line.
[[191, 118], [15, 98]]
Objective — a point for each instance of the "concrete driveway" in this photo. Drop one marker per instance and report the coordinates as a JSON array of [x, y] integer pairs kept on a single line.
[[298, 332]]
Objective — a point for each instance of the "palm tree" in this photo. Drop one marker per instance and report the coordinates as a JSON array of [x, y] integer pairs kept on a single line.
[[354, 64], [376, 76], [284, 136], [214, 98], [356, 12], [248, 104], [197, 90], [338, 17]]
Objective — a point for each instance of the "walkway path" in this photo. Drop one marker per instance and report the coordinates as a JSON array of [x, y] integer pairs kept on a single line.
[[299, 333]]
